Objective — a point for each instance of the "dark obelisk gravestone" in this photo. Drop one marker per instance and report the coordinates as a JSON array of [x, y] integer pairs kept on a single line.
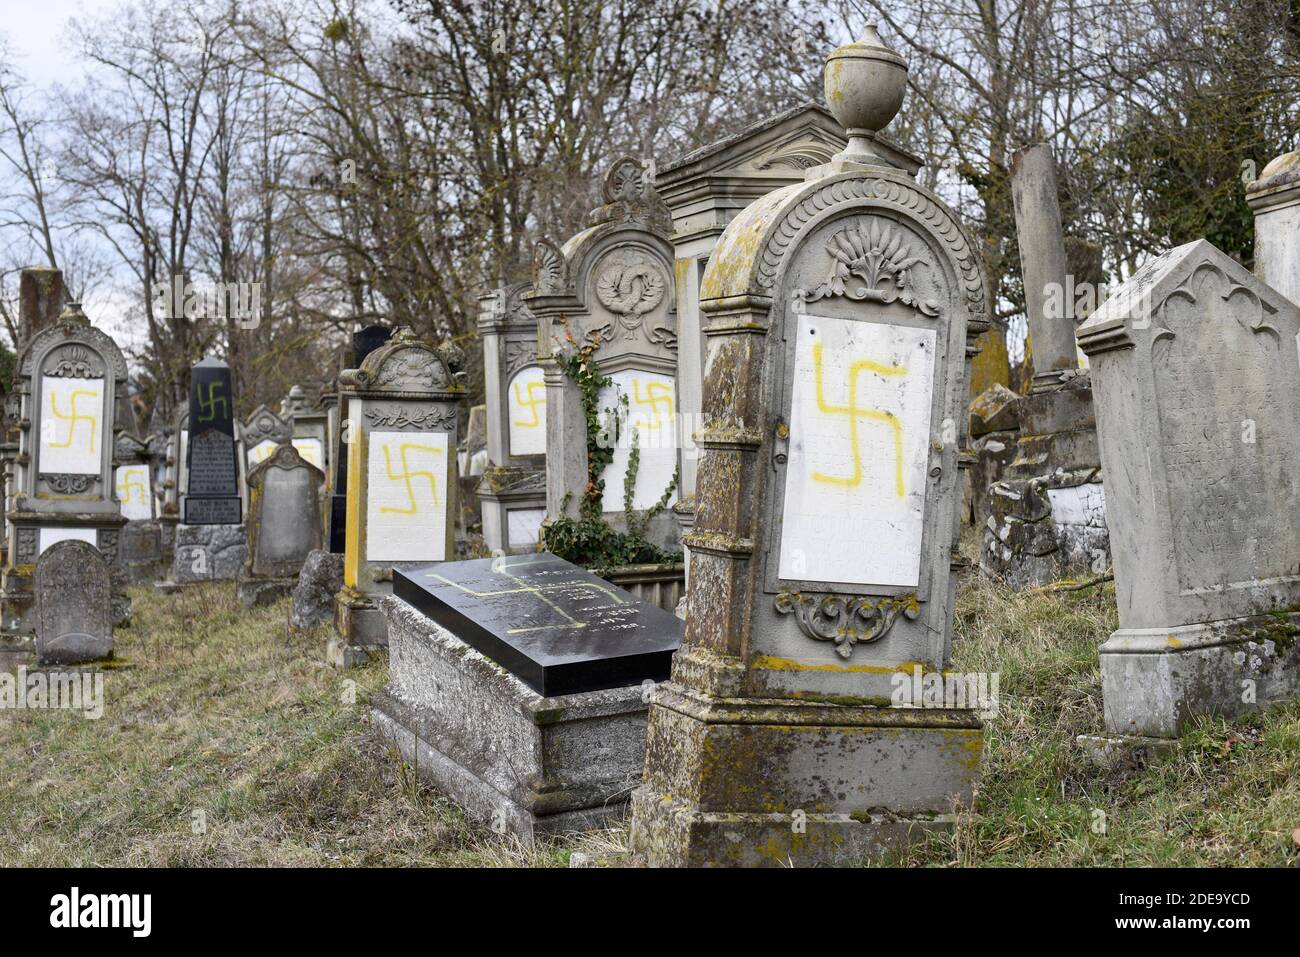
[[213, 489], [363, 343]]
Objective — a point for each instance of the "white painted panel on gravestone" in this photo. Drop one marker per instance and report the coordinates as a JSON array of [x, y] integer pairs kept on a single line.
[[132, 483], [526, 408], [652, 422], [311, 451], [183, 467], [54, 535], [72, 419], [524, 526], [406, 502], [859, 444], [261, 452]]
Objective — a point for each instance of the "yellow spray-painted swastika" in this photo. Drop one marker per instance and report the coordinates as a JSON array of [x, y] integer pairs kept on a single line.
[[406, 475], [74, 417], [853, 413], [656, 394], [532, 402], [208, 404], [127, 483]]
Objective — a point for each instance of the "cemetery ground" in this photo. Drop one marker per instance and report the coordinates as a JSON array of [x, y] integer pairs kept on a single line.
[[212, 709]]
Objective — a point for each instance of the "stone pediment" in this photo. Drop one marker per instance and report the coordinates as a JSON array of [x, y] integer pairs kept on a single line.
[[1184, 275], [782, 146]]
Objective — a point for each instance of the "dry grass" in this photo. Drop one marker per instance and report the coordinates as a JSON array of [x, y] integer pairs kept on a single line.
[[215, 710]]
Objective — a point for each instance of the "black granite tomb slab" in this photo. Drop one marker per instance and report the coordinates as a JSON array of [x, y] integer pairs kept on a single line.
[[555, 626]]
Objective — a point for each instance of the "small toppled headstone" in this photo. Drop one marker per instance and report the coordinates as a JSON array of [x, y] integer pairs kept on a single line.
[[74, 613]]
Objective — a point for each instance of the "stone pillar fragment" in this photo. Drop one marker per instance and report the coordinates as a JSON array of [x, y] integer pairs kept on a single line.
[[1275, 200]]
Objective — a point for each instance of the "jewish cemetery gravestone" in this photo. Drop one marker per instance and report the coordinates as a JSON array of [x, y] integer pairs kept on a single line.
[[210, 539], [517, 687], [838, 314], [139, 552], [512, 491], [67, 379], [284, 524], [74, 604], [704, 190], [402, 409], [1197, 382], [364, 342], [471, 463], [263, 433], [607, 294], [1042, 513], [309, 427]]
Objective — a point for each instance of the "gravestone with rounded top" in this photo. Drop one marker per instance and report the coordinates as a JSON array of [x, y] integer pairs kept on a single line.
[[74, 604], [1196, 377], [284, 524], [69, 376], [608, 294], [512, 491], [402, 409], [839, 315]]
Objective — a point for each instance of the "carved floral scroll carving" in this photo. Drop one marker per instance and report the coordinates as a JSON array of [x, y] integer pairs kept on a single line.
[[846, 621]]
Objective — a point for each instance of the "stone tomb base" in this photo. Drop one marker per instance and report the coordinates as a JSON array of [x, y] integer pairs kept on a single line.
[[206, 553], [360, 627], [519, 761], [1154, 681], [751, 782]]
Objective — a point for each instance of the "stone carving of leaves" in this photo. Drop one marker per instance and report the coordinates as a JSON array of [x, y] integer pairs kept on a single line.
[[398, 417], [67, 484], [846, 621]]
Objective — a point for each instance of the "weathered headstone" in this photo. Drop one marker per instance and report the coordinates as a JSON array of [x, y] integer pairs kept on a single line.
[[1197, 380], [1043, 514], [516, 687], [67, 380], [1275, 200], [839, 314], [284, 524], [74, 608], [512, 491], [309, 426], [364, 342], [402, 407], [704, 190], [263, 433], [611, 287], [139, 552]]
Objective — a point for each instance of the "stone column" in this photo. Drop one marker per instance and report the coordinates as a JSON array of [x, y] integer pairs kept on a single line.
[[1042, 261], [838, 315], [1042, 514], [1275, 200], [364, 342], [402, 411], [1197, 379]]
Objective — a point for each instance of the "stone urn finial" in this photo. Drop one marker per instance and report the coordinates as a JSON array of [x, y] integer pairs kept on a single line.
[[72, 312], [864, 82]]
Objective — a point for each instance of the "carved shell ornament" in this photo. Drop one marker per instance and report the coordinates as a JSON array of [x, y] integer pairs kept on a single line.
[[878, 255], [630, 290], [549, 268], [626, 181]]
